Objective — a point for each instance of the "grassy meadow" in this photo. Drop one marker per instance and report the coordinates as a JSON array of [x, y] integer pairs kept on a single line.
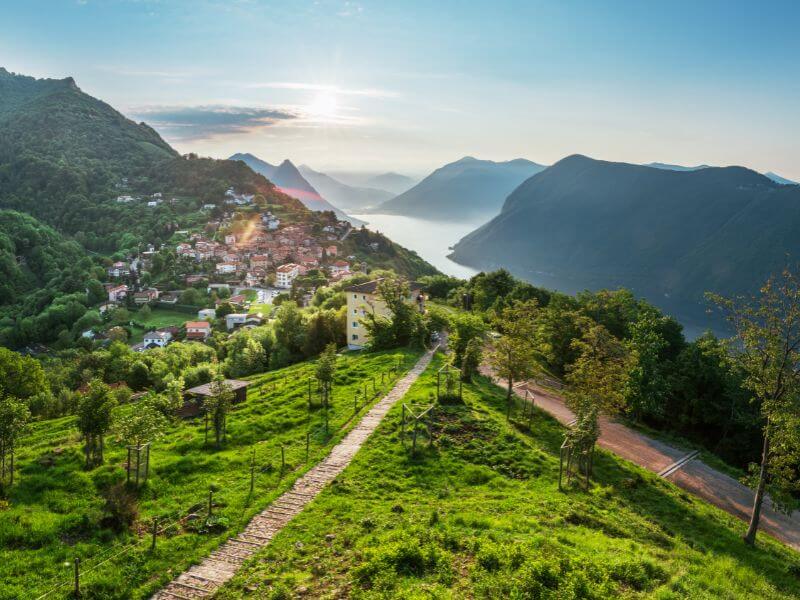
[[479, 515], [55, 511]]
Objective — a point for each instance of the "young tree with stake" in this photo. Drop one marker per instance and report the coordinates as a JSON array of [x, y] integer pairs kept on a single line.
[[95, 418], [14, 417], [217, 406], [512, 356]]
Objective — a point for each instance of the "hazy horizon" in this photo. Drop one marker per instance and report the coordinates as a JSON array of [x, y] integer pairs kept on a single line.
[[361, 86]]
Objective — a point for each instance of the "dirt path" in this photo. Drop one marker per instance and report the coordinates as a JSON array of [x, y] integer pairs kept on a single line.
[[682, 468], [202, 580]]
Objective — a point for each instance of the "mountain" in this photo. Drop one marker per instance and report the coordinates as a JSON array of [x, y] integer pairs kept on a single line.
[[62, 152], [346, 197], [668, 235], [66, 156], [466, 190], [390, 182], [291, 182], [778, 179]]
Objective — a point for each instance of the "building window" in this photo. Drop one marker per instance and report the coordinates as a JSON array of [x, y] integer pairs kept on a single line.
[[355, 336], [355, 311], [355, 296], [355, 323]]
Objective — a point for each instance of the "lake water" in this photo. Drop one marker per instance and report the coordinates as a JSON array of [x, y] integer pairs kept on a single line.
[[430, 239]]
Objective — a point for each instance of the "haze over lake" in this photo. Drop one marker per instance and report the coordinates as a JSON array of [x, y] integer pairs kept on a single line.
[[430, 239]]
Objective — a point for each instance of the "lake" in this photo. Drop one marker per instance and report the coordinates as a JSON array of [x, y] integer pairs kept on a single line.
[[430, 239]]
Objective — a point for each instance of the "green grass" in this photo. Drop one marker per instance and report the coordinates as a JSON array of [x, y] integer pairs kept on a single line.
[[478, 515], [159, 317], [55, 509]]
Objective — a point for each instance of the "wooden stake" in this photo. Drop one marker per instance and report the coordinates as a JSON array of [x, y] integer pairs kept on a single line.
[[77, 577], [155, 533]]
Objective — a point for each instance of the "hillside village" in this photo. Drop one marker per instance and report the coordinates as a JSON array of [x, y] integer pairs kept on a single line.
[[240, 260]]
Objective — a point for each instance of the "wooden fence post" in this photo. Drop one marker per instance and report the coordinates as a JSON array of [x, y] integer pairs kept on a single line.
[[155, 533], [77, 577]]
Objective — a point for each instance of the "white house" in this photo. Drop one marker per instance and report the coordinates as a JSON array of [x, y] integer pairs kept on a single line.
[[234, 320], [197, 330], [340, 266], [286, 274], [224, 268], [206, 313], [230, 239], [117, 293], [118, 269], [159, 339]]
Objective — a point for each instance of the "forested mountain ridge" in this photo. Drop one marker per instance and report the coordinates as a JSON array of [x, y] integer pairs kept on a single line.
[[69, 138], [668, 235], [65, 156], [466, 190]]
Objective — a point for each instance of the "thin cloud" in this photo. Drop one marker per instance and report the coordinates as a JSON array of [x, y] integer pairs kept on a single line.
[[321, 87], [203, 122]]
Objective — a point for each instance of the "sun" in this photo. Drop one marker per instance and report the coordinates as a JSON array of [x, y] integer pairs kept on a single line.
[[323, 105]]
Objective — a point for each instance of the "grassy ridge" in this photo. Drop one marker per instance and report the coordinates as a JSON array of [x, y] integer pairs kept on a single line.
[[479, 515], [56, 508]]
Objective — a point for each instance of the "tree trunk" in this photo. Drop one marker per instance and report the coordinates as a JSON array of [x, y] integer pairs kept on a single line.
[[750, 536]]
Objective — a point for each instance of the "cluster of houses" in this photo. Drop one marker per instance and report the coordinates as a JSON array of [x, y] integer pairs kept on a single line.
[[152, 200], [266, 248], [262, 253]]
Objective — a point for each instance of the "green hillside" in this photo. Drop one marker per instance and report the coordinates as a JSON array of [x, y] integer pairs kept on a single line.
[[479, 515], [56, 509]]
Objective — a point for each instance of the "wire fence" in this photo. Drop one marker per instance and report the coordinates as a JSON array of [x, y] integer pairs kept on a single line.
[[227, 506]]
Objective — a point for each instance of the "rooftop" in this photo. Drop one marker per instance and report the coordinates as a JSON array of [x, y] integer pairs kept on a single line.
[[370, 287], [205, 389]]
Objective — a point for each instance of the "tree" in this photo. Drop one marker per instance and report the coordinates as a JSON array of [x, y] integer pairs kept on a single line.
[[596, 379], [403, 326], [95, 418], [766, 346], [464, 327], [216, 407], [145, 313], [290, 331], [326, 367], [21, 376], [14, 417], [647, 386], [472, 359], [512, 356]]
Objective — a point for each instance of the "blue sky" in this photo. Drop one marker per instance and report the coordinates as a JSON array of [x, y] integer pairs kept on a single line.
[[408, 86]]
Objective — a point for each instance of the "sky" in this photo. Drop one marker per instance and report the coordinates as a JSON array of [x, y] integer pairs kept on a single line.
[[408, 86]]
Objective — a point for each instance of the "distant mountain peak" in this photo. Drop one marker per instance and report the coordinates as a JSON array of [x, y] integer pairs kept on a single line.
[[468, 189]]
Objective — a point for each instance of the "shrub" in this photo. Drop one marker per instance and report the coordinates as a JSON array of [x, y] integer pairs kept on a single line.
[[121, 507]]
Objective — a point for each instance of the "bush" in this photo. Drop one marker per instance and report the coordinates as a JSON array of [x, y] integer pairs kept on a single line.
[[121, 507]]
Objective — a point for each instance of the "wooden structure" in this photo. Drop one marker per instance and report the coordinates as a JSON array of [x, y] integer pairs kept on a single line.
[[138, 464], [418, 422], [575, 459], [521, 406], [193, 397]]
